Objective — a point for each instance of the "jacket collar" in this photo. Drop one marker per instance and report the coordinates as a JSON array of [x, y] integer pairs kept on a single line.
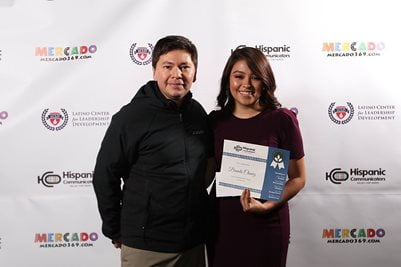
[[151, 89]]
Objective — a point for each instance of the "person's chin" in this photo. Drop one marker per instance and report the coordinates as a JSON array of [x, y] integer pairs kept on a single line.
[[179, 92]]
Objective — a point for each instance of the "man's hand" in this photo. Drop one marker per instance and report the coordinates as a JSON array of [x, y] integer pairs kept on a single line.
[[116, 244]]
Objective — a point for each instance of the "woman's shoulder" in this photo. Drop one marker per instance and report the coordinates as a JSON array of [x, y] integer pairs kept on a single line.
[[217, 114], [285, 113]]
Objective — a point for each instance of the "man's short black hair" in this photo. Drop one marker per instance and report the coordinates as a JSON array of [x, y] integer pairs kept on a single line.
[[174, 42]]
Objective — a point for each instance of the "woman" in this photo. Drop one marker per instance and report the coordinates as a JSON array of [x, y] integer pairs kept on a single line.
[[252, 232]]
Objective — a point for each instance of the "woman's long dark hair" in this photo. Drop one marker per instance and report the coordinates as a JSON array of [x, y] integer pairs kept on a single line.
[[260, 67]]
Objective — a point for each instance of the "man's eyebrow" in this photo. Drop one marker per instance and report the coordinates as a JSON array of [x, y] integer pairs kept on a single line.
[[238, 71]]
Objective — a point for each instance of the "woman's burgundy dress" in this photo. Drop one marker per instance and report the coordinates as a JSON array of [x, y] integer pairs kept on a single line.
[[244, 239]]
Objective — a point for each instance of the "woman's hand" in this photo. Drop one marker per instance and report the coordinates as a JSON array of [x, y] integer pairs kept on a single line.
[[249, 204]]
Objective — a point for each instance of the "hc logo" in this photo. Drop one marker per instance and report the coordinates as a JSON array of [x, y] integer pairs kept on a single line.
[[336, 176], [49, 179]]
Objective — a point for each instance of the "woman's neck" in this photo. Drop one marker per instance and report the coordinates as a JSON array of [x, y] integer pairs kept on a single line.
[[246, 112]]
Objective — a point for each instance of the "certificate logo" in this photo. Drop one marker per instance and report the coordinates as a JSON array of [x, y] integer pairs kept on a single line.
[[341, 114], [237, 148], [141, 55], [54, 120], [278, 161], [244, 149]]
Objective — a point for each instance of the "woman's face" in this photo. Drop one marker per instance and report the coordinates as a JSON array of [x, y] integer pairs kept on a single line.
[[245, 87]]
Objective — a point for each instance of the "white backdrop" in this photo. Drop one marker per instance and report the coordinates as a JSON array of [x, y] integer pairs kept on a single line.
[[67, 66]]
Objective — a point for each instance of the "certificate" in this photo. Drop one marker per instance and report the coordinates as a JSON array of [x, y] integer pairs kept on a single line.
[[261, 169]]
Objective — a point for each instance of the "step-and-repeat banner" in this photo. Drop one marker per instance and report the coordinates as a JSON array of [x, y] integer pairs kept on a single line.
[[67, 66]]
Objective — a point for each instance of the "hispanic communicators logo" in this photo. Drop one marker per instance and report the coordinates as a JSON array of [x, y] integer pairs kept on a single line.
[[237, 148], [66, 178], [278, 161], [337, 176], [279, 52], [49, 179], [141, 55], [341, 114], [357, 176], [54, 120]]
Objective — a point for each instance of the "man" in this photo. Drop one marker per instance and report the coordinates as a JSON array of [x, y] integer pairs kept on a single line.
[[159, 146]]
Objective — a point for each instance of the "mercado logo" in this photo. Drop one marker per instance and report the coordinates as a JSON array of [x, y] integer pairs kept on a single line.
[[353, 235], [66, 240], [280, 52], [356, 175], [68, 53], [295, 110], [67, 178], [353, 49], [141, 55], [3, 116]]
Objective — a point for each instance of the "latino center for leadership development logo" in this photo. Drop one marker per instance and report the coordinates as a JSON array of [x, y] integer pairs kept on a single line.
[[54, 120], [341, 114], [141, 55], [344, 113]]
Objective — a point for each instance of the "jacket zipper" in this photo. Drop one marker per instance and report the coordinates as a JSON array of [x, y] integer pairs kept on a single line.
[[188, 185]]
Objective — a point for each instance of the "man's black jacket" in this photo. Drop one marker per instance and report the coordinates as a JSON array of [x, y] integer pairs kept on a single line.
[[160, 152]]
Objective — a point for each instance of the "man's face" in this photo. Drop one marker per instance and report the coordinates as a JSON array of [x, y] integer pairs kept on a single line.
[[174, 74]]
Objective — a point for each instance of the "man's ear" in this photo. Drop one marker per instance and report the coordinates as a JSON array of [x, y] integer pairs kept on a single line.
[[194, 80], [153, 69]]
